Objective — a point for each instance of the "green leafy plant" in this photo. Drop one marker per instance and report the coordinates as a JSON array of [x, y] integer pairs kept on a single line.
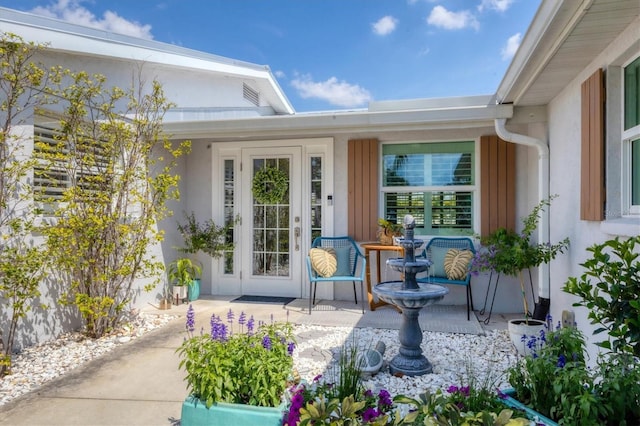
[[339, 397], [25, 86], [438, 409], [609, 289], [556, 382], [509, 253], [121, 173], [393, 229], [207, 237], [183, 271], [619, 387], [248, 366]]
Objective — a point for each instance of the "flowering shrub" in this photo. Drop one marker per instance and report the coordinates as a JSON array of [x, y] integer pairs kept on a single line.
[[249, 366], [319, 402], [556, 382]]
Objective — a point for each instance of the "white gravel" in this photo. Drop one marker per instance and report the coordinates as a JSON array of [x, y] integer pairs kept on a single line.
[[454, 356]]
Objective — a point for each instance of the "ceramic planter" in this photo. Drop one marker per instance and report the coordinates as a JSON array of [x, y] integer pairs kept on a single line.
[[194, 290], [524, 327], [532, 414], [179, 293], [195, 412]]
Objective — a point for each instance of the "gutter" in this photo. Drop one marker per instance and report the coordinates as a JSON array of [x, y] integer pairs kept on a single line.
[[544, 278]]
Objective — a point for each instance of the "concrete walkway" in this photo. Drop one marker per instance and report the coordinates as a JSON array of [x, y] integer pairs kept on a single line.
[[139, 382]]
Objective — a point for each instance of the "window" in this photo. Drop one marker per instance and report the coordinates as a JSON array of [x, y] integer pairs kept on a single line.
[[64, 165], [434, 182], [631, 138]]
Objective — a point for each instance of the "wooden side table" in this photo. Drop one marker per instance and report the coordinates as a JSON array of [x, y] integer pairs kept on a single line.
[[378, 248]]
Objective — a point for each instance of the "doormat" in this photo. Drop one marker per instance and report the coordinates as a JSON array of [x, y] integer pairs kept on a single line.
[[264, 299]]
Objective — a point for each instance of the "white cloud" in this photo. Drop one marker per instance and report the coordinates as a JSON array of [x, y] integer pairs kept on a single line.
[[280, 74], [441, 17], [385, 25], [339, 93], [498, 5], [511, 47], [72, 11]]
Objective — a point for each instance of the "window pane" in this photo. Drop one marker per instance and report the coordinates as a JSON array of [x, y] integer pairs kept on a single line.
[[635, 172], [428, 164], [632, 94]]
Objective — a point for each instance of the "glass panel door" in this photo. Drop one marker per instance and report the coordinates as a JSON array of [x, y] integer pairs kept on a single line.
[[272, 262]]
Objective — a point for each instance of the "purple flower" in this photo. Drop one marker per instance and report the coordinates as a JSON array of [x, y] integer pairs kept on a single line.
[[561, 361], [501, 394], [218, 329], [230, 317], [465, 390], [384, 399], [242, 320], [368, 393], [266, 342], [290, 348], [452, 389], [250, 325], [317, 378], [191, 319], [369, 414]]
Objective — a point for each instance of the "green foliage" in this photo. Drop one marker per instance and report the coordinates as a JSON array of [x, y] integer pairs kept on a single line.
[[610, 290], [436, 409], [249, 367], [24, 86], [269, 185], [619, 387], [557, 383], [120, 174], [207, 237], [508, 252], [392, 228], [183, 271]]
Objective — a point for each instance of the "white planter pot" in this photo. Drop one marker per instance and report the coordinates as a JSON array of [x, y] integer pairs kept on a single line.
[[525, 334], [179, 293]]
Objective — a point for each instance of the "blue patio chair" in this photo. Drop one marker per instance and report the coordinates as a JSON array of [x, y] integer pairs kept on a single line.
[[347, 255], [435, 251]]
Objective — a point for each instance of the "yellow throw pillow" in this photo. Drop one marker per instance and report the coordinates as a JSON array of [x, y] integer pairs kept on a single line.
[[456, 263], [323, 261]]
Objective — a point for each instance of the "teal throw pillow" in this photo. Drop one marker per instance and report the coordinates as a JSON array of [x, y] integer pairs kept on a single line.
[[437, 257], [344, 261]]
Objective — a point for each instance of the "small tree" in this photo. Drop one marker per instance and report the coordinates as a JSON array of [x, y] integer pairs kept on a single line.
[[119, 164], [24, 86]]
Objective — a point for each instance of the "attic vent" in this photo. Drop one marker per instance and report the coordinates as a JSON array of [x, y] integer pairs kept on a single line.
[[250, 94]]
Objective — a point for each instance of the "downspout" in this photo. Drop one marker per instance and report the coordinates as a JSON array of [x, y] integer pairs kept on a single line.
[[544, 281]]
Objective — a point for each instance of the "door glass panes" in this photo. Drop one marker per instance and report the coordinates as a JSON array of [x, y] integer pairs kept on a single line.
[[271, 224], [635, 172], [316, 197], [229, 212]]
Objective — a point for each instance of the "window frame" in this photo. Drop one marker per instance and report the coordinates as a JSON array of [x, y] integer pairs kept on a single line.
[[473, 188], [628, 136]]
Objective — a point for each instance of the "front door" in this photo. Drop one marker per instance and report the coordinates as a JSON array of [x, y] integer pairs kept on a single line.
[[271, 258]]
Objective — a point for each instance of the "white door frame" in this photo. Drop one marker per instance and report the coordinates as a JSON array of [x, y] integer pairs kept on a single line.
[[231, 284]]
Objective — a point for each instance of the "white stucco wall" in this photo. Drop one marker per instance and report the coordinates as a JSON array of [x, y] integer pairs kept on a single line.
[[564, 134]]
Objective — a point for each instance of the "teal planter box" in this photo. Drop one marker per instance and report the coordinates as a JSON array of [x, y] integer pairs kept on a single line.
[[532, 414], [194, 290], [195, 412]]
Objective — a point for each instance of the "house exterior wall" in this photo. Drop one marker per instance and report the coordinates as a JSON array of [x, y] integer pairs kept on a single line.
[[565, 143]]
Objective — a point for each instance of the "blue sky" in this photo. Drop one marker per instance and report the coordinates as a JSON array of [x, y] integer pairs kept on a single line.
[[330, 54]]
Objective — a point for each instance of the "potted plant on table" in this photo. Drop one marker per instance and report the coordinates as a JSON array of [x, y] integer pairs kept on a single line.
[[387, 231], [509, 253], [236, 376], [183, 273]]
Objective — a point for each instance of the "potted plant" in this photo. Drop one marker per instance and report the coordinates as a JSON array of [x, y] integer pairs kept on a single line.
[[208, 238], [556, 383], [388, 230], [236, 376], [183, 273], [507, 252]]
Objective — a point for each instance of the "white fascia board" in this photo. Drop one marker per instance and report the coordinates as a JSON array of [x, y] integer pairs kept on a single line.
[[545, 14], [341, 122]]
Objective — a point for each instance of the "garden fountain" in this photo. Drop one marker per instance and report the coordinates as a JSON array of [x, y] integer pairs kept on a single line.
[[410, 296]]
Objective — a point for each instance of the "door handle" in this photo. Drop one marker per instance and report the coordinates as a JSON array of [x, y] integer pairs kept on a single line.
[[296, 233]]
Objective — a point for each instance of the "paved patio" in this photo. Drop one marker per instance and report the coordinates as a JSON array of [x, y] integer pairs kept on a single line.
[[139, 383]]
